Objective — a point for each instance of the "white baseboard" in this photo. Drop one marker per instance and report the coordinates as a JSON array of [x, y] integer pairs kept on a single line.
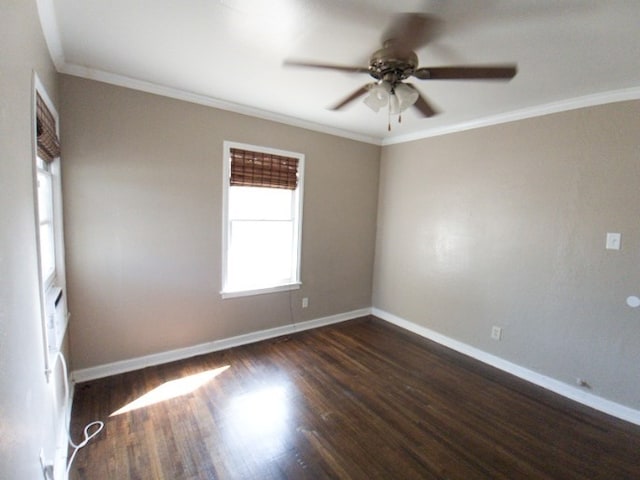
[[137, 363], [607, 406]]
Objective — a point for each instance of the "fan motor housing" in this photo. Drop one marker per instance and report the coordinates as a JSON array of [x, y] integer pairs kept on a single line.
[[386, 64]]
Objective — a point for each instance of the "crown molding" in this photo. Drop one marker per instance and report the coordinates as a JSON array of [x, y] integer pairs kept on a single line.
[[524, 113], [506, 117], [51, 32], [53, 40], [156, 89]]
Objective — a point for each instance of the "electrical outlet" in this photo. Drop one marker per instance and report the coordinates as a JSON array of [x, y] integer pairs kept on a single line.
[[496, 333], [305, 302]]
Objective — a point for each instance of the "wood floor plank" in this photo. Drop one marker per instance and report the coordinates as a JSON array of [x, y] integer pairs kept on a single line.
[[357, 400]]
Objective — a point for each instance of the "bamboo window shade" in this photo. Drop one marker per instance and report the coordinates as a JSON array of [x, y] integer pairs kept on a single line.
[[258, 169], [47, 137]]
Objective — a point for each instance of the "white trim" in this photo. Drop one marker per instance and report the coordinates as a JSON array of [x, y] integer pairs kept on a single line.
[[607, 406], [49, 24], [149, 87], [632, 93], [50, 344], [529, 112], [262, 291], [123, 366]]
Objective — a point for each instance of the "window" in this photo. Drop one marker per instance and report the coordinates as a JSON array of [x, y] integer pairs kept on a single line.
[[48, 214], [47, 163], [262, 219]]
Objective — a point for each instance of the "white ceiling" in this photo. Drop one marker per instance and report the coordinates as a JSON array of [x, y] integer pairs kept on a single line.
[[230, 53]]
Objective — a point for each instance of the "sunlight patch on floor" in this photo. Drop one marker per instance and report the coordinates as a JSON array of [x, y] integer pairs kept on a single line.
[[260, 420], [171, 389]]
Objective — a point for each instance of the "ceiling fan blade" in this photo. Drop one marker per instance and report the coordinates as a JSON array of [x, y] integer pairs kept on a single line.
[[358, 93], [480, 72], [410, 31], [423, 105], [342, 68]]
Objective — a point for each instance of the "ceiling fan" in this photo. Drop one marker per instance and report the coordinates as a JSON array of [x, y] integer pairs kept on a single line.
[[397, 61]]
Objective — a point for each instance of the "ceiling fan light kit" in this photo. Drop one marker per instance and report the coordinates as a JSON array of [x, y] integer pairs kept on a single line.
[[397, 98], [378, 96], [396, 61], [406, 96]]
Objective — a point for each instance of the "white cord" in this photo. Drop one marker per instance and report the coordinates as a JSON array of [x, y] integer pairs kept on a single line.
[[87, 438], [88, 435]]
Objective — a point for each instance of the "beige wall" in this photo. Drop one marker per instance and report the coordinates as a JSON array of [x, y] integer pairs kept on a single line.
[[502, 226], [27, 411], [506, 226], [142, 192]]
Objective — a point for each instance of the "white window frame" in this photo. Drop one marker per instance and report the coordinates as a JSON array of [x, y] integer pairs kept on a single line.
[[53, 301], [295, 282]]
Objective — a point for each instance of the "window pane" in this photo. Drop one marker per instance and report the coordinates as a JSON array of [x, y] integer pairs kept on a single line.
[[45, 197], [252, 203], [45, 215], [47, 253], [262, 263]]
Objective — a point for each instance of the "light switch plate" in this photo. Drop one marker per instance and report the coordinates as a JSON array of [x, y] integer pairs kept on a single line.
[[613, 241]]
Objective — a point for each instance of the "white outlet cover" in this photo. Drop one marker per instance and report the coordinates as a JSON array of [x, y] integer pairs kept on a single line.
[[613, 241], [496, 333]]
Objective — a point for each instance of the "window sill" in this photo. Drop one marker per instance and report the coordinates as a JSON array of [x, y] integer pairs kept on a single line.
[[260, 291]]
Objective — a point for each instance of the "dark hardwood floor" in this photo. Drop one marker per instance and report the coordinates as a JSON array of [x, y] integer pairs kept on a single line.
[[357, 400]]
